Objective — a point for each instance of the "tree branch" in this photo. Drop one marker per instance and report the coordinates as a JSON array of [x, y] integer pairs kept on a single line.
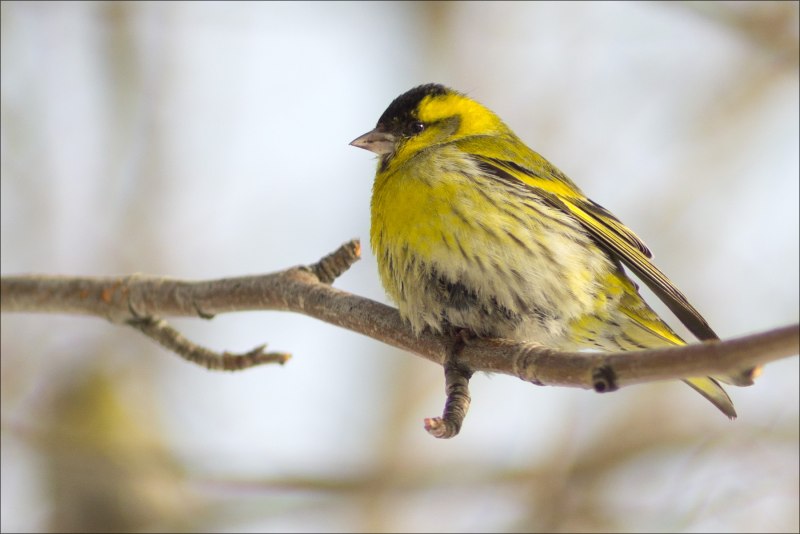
[[140, 301], [456, 384], [169, 338]]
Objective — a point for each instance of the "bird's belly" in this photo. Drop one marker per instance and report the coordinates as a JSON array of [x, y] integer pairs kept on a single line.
[[525, 271]]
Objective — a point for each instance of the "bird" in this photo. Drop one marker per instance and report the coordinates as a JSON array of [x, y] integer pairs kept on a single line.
[[474, 230]]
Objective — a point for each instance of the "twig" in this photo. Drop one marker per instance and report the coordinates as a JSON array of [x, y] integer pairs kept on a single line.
[[140, 301], [456, 381], [169, 338]]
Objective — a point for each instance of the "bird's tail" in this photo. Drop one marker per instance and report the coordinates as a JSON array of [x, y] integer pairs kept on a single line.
[[710, 389], [648, 330]]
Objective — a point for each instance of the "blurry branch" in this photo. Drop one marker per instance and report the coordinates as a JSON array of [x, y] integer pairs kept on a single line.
[[769, 25], [139, 301]]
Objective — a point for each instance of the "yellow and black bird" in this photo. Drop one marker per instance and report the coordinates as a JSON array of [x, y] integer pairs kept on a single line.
[[474, 230]]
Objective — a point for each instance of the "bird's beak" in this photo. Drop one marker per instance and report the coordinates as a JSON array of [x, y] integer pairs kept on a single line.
[[377, 141]]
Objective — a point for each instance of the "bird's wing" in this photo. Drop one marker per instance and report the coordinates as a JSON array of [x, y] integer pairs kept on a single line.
[[614, 236]]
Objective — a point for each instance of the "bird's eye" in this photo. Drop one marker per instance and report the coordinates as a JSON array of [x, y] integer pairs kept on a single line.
[[416, 127]]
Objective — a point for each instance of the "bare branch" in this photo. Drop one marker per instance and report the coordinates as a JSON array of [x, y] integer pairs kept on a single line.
[[168, 337], [140, 300], [337, 262], [456, 382]]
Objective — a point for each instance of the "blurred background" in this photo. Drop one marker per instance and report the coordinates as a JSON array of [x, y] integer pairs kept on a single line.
[[205, 140]]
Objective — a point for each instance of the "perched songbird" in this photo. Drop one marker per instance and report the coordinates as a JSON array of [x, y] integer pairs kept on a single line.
[[474, 230]]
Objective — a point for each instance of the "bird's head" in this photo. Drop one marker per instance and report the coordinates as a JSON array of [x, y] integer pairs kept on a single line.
[[424, 117]]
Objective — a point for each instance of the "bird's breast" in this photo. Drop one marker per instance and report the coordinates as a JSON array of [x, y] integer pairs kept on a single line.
[[456, 245]]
